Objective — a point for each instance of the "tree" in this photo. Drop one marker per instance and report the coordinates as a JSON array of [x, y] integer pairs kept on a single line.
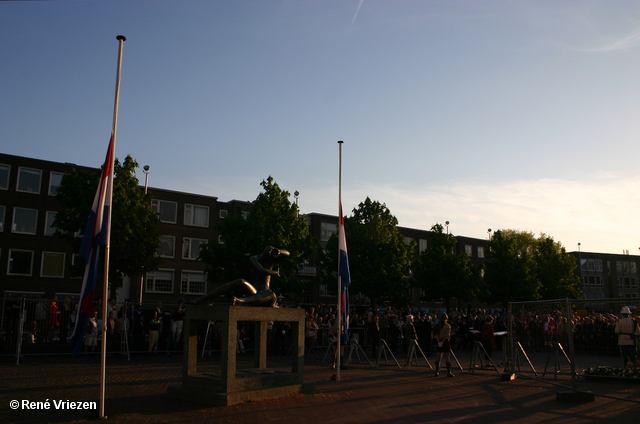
[[442, 273], [135, 235], [509, 275], [522, 267], [555, 270], [379, 257], [273, 221]]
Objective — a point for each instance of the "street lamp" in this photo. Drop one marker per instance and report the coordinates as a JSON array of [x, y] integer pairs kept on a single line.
[[146, 169], [489, 233], [296, 194], [447, 224]]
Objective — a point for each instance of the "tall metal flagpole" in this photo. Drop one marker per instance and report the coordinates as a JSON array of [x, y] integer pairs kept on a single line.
[[105, 289], [339, 317]]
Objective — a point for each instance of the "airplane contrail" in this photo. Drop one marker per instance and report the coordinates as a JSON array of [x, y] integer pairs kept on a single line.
[[356, 15]]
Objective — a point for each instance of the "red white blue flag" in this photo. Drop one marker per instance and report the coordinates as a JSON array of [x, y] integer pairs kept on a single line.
[[345, 276], [96, 234]]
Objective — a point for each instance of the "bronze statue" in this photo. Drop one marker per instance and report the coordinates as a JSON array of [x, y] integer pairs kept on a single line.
[[257, 292]]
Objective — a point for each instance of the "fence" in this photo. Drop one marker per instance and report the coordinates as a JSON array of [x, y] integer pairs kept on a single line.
[[38, 326], [32, 326], [568, 342]]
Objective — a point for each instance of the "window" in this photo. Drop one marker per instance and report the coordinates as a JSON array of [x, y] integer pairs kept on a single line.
[[468, 249], [2, 210], [167, 211], [481, 251], [223, 213], [54, 182], [29, 180], [591, 265], [626, 267], [220, 240], [196, 215], [326, 229], [191, 247], [193, 282], [4, 177], [422, 245], [52, 264], [408, 240], [20, 262], [160, 281], [49, 229], [244, 214], [167, 247], [24, 221]]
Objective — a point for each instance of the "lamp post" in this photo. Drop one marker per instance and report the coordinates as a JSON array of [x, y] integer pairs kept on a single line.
[[580, 267], [296, 194], [146, 170], [489, 233], [447, 225]]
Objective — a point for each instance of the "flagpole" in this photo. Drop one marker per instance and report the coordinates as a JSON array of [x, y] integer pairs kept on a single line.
[[105, 289], [339, 311]]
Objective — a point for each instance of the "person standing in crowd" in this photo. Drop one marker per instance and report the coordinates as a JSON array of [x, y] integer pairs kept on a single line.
[[409, 333], [65, 319], [41, 318], [178, 322], [488, 339], [91, 336], [123, 328], [627, 330], [374, 334], [394, 334], [311, 329], [443, 338], [13, 321], [154, 330], [139, 329], [241, 338], [112, 331], [54, 318]]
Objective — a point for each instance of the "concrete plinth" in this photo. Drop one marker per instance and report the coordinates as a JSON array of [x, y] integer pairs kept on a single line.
[[231, 386]]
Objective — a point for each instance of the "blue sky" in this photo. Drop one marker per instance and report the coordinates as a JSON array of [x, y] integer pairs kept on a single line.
[[488, 114]]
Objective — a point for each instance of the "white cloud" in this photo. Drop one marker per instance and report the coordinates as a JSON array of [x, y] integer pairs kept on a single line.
[[600, 213]]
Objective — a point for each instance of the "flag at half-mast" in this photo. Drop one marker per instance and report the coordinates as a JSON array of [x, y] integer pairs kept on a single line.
[[96, 235], [345, 276]]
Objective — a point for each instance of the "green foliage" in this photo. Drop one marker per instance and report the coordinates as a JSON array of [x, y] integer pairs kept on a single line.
[[272, 221], [442, 273], [520, 267], [508, 272], [379, 257], [555, 270], [135, 236]]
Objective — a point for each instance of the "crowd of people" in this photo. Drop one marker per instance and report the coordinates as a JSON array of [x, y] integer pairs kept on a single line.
[[536, 330], [47, 326], [140, 328]]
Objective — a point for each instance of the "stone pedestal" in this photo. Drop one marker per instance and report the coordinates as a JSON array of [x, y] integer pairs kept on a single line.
[[256, 383]]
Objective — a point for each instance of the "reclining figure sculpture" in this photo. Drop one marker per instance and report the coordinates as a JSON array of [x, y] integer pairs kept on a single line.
[[257, 294]]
